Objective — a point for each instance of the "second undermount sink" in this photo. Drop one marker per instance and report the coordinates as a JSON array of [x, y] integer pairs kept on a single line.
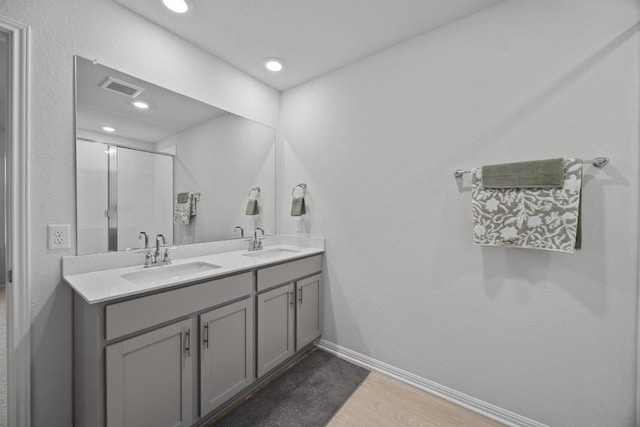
[[268, 253], [169, 272]]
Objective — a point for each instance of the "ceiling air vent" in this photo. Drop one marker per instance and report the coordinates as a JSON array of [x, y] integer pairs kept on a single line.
[[121, 87]]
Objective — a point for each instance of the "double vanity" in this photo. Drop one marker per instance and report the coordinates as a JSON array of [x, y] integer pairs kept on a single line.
[[172, 337], [172, 345]]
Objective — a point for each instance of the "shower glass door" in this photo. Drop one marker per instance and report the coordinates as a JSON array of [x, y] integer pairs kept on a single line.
[[93, 197], [144, 196], [120, 193]]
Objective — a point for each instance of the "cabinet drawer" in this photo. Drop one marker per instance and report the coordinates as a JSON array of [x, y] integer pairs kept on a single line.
[[287, 272], [137, 314]]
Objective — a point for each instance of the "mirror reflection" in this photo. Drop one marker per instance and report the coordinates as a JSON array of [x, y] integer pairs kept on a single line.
[[149, 160]]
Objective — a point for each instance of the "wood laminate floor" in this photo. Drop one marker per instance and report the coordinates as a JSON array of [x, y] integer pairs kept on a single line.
[[385, 401]]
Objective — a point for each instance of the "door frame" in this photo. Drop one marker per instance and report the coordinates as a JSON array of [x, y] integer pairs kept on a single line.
[[17, 226]]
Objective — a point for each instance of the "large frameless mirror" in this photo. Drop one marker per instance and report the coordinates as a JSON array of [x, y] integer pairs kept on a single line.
[[149, 160]]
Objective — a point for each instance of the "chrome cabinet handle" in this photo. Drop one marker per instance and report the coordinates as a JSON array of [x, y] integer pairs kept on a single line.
[[291, 298], [205, 338], [300, 297], [187, 347]]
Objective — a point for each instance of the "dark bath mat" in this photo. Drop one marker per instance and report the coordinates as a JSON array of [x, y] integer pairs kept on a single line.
[[309, 394]]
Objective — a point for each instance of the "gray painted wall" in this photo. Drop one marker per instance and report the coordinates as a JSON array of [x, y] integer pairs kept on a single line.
[[119, 39], [546, 335]]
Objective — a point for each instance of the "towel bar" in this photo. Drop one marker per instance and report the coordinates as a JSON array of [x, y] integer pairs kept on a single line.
[[598, 162]]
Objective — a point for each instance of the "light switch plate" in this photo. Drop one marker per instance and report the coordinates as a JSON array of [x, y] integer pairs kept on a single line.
[[58, 236]]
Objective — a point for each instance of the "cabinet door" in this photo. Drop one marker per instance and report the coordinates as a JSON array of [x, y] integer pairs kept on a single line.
[[227, 353], [307, 310], [276, 311], [149, 380]]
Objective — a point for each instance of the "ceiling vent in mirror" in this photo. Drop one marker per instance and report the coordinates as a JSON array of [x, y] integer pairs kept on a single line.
[[121, 87]]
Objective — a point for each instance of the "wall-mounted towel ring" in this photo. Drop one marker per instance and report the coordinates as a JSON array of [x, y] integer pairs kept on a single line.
[[298, 207], [304, 190], [253, 207], [257, 190]]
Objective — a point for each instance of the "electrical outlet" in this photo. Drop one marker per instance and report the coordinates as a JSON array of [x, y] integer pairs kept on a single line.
[[59, 236]]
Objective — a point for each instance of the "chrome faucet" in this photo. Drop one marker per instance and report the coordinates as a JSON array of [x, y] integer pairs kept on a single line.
[[157, 257], [146, 238], [156, 254], [241, 231], [255, 244]]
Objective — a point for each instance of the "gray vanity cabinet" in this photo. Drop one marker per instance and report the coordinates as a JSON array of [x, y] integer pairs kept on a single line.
[[226, 353], [175, 356], [276, 317], [288, 310], [307, 310], [149, 378]]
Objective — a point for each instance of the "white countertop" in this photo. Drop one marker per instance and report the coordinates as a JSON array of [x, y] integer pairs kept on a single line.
[[105, 285]]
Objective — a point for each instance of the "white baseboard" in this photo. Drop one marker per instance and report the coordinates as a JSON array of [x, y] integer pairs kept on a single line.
[[476, 405]]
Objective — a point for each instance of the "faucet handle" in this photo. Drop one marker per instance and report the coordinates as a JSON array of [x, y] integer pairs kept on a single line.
[[253, 244], [165, 256], [148, 260]]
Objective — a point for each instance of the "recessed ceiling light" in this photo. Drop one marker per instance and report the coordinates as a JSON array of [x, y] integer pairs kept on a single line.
[[274, 64], [140, 104], [177, 6], [108, 129]]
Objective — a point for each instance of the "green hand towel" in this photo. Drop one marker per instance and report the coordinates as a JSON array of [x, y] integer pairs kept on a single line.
[[536, 174], [252, 207], [297, 206], [182, 197]]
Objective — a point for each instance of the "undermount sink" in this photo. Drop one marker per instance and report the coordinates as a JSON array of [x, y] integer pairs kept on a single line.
[[268, 253], [169, 272]]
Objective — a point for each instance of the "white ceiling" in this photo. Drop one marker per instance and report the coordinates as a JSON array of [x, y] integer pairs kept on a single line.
[[313, 37], [169, 113]]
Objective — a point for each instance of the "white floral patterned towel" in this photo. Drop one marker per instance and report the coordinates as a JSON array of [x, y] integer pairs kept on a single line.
[[545, 218]]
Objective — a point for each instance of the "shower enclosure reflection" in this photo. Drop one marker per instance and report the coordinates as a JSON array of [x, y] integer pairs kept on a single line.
[[132, 162], [120, 192]]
